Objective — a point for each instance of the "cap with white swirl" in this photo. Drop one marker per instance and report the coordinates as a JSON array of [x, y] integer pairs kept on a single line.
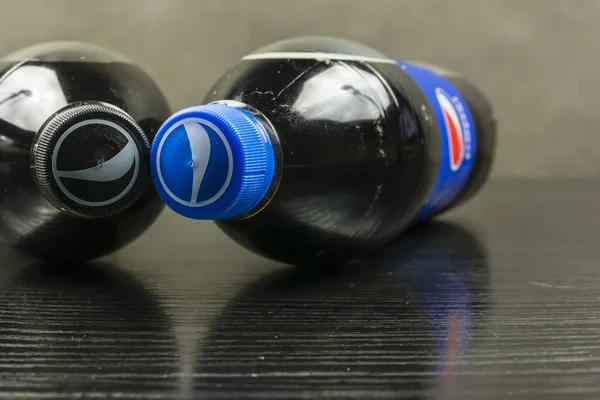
[[90, 160], [212, 162]]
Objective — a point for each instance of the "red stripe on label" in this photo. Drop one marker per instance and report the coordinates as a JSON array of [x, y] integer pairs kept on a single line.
[[455, 142]]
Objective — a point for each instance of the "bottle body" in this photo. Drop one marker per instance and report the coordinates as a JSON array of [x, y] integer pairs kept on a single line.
[[35, 85], [364, 148]]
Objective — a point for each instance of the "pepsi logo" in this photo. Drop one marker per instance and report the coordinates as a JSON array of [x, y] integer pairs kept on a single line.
[[95, 163], [194, 162], [454, 129]]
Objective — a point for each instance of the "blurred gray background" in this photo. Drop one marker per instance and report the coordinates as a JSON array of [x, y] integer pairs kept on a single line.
[[538, 60]]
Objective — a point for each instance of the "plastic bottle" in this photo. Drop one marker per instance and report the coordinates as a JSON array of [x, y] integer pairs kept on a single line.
[[76, 121], [318, 149]]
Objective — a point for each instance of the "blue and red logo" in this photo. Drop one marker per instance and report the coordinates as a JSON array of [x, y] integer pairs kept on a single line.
[[454, 130], [457, 138]]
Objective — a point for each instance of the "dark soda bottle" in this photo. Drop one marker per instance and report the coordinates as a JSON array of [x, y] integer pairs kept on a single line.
[[318, 149], [76, 122]]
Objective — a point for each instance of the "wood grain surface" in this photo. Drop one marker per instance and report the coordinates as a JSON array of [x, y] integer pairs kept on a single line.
[[499, 299]]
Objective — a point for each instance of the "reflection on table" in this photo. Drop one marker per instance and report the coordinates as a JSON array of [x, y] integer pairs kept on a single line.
[[402, 319], [82, 328]]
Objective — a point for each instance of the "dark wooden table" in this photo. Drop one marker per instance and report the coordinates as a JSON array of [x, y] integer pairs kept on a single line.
[[500, 299]]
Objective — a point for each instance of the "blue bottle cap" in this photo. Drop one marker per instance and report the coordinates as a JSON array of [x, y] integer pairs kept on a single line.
[[212, 162]]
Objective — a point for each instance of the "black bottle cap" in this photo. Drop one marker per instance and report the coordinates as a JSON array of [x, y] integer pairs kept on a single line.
[[91, 160]]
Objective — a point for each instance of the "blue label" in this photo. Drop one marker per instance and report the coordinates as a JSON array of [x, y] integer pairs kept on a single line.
[[457, 132]]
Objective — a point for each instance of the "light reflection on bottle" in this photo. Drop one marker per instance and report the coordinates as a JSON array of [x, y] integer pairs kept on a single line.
[[323, 97], [29, 95]]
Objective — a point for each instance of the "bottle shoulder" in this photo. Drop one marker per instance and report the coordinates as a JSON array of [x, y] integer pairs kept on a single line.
[[32, 90], [321, 90]]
